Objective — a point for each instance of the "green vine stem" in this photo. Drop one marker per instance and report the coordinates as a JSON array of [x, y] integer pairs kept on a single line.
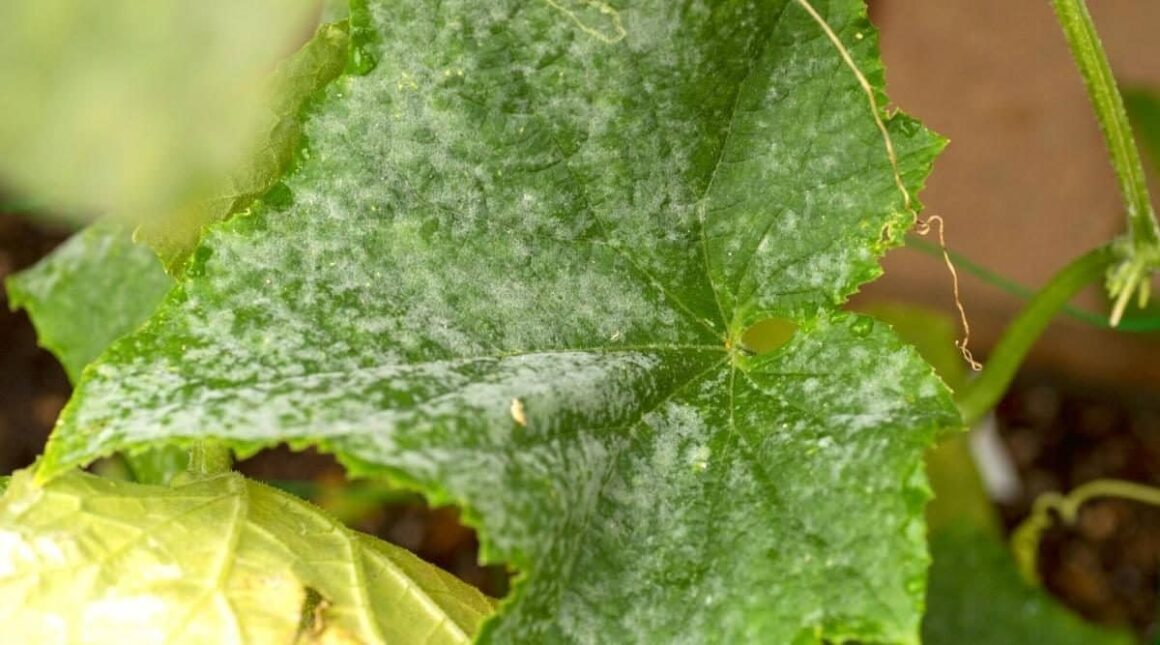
[[981, 394], [1025, 539], [1126, 264], [1141, 252], [1089, 55]]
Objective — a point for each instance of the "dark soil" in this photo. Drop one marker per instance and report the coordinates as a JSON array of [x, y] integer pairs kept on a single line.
[[33, 387], [1060, 434]]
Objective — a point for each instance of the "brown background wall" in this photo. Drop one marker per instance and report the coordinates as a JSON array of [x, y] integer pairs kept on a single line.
[[1025, 185]]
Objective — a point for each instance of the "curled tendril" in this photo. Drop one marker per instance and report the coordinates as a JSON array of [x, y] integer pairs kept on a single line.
[[1025, 539]]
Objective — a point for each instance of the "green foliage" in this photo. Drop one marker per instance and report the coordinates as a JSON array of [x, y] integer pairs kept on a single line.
[[216, 560], [514, 272], [975, 593], [977, 596], [571, 267], [92, 290], [958, 490], [95, 288]]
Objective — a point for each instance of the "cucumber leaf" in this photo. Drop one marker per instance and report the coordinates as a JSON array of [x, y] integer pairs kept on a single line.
[[100, 285], [976, 594], [515, 273], [92, 290], [217, 560]]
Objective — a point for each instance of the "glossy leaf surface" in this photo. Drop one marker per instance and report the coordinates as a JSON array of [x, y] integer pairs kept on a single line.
[[515, 272]]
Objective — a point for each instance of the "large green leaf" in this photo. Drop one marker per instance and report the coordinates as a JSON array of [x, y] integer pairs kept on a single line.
[[515, 274], [135, 108], [221, 560]]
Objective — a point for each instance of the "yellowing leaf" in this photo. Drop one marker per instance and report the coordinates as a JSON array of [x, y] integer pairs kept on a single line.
[[221, 560]]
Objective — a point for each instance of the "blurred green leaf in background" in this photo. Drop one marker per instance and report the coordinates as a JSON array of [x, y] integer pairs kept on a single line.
[[136, 108], [1143, 107]]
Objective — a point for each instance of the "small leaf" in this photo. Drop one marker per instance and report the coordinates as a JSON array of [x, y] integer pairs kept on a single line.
[[93, 289], [215, 561]]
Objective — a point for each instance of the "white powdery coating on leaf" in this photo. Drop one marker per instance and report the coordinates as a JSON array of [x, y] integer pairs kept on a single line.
[[509, 210]]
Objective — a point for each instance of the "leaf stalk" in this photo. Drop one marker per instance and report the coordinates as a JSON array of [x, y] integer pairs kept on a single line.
[[1088, 52], [983, 393], [207, 459]]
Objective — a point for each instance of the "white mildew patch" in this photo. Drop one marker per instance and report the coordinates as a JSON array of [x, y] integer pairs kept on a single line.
[[371, 412], [772, 244], [773, 456], [859, 439], [656, 512]]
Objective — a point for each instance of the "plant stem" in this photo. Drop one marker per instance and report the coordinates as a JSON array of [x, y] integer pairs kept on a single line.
[[983, 393], [1089, 55], [207, 459]]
